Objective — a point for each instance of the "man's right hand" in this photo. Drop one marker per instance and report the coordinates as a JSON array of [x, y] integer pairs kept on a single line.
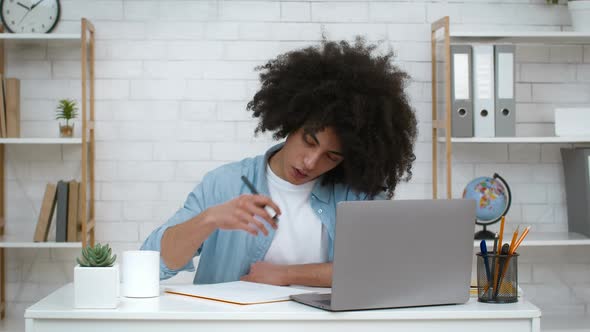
[[240, 212]]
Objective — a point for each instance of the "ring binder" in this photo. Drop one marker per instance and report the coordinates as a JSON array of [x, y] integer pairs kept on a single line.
[[505, 106], [483, 91], [461, 102]]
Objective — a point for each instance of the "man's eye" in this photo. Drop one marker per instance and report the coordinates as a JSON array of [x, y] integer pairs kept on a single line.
[[307, 140], [333, 158]]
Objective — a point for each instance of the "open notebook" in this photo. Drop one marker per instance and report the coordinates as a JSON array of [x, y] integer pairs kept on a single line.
[[238, 292]]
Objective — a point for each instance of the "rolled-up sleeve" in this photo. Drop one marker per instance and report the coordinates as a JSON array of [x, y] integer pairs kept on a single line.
[[194, 204], [379, 197]]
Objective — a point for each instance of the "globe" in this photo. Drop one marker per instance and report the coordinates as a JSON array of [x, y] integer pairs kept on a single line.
[[492, 197]]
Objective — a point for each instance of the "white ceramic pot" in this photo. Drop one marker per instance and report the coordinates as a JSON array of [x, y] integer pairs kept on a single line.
[[580, 13], [96, 287]]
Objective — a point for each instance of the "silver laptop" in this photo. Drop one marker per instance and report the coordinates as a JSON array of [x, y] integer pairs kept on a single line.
[[400, 253]]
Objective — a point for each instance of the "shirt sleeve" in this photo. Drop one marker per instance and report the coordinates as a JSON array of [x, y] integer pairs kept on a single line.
[[194, 204], [379, 197]]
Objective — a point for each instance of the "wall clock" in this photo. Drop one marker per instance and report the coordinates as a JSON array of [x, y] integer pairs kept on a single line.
[[30, 16]]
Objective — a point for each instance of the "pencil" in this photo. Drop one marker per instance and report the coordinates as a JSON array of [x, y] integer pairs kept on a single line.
[[513, 249], [497, 268], [513, 242], [501, 235], [521, 238]]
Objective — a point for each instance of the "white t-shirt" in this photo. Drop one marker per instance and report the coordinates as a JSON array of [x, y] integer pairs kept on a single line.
[[300, 237]]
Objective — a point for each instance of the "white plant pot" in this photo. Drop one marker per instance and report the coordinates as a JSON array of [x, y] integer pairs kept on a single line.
[[96, 287], [580, 13]]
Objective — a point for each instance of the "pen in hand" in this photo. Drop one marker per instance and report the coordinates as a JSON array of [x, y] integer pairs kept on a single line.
[[268, 209], [249, 185]]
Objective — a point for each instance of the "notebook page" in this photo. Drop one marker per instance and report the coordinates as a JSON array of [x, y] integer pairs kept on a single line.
[[239, 292]]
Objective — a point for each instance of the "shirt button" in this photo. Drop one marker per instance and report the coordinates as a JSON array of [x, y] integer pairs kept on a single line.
[[320, 211]]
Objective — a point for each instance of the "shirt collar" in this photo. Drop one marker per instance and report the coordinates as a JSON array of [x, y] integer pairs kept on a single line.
[[321, 192]]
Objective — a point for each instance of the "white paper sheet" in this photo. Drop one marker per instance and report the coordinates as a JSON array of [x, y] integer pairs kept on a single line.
[[239, 292]]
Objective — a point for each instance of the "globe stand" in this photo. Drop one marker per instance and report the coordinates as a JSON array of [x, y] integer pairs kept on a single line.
[[484, 234]]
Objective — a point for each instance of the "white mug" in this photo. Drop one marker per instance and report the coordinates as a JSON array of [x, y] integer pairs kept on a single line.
[[141, 273]]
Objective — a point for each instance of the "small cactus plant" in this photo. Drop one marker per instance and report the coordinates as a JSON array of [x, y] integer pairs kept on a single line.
[[97, 256]]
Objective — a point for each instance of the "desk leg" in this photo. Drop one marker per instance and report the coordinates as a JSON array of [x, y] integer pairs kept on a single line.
[[29, 325], [536, 325]]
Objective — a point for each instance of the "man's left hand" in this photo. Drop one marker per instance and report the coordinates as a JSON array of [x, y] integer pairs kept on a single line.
[[267, 273]]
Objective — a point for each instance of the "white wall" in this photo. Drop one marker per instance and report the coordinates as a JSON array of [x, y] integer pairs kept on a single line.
[[173, 79]]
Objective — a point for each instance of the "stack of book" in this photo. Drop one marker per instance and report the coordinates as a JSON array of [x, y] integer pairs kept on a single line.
[[9, 107], [64, 200]]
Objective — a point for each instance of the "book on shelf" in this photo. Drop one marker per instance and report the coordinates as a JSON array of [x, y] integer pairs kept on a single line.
[[46, 213], [12, 102], [2, 109], [72, 233], [61, 218], [63, 200], [80, 215]]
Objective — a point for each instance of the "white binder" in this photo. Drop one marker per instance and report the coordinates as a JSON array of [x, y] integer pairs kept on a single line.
[[483, 91]]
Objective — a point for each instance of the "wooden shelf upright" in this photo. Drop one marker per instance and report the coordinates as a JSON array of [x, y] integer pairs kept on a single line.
[[87, 142]]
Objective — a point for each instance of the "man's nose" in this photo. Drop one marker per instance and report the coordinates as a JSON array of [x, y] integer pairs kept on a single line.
[[310, 161]]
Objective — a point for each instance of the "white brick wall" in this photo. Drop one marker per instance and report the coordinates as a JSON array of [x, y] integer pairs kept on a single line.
[[173, 81]]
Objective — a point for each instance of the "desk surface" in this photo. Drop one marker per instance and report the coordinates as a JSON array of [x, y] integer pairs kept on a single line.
[[60, 305]]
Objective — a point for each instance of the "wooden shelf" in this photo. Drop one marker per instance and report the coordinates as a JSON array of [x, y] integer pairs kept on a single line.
[[24, 241], [521, 36], [548, 239], [14, 234], [547, 139], [442, 37], [57, 140], [40, 36]]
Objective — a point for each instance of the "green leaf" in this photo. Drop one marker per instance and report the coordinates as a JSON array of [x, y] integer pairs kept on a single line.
[[85, 264], [66, 109], [97, 256]]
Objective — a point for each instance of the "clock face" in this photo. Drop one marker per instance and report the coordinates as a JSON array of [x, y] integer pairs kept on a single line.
[[30, 16]]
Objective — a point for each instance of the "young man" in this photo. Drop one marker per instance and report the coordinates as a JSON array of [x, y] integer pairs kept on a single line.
[[350, 135]]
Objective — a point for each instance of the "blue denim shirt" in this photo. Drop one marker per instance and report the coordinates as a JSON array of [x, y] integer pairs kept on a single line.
[[226, 255]]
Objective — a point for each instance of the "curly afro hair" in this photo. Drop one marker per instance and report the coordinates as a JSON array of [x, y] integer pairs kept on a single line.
[[361, 96]]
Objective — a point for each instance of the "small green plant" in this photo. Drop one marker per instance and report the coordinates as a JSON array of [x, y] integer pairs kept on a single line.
[[97, 256], [66, 110]]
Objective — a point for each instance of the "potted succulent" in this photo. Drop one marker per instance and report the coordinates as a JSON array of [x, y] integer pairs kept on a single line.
[[66, 111], [96, 278], [579, 12]]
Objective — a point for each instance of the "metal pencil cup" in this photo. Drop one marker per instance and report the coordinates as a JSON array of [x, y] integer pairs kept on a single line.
[[497, 278]]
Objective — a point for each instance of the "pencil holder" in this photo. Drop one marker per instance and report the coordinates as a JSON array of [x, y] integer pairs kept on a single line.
[[497, 278]]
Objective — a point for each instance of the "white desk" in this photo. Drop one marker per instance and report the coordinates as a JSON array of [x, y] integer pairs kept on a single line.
[[179, 313]]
